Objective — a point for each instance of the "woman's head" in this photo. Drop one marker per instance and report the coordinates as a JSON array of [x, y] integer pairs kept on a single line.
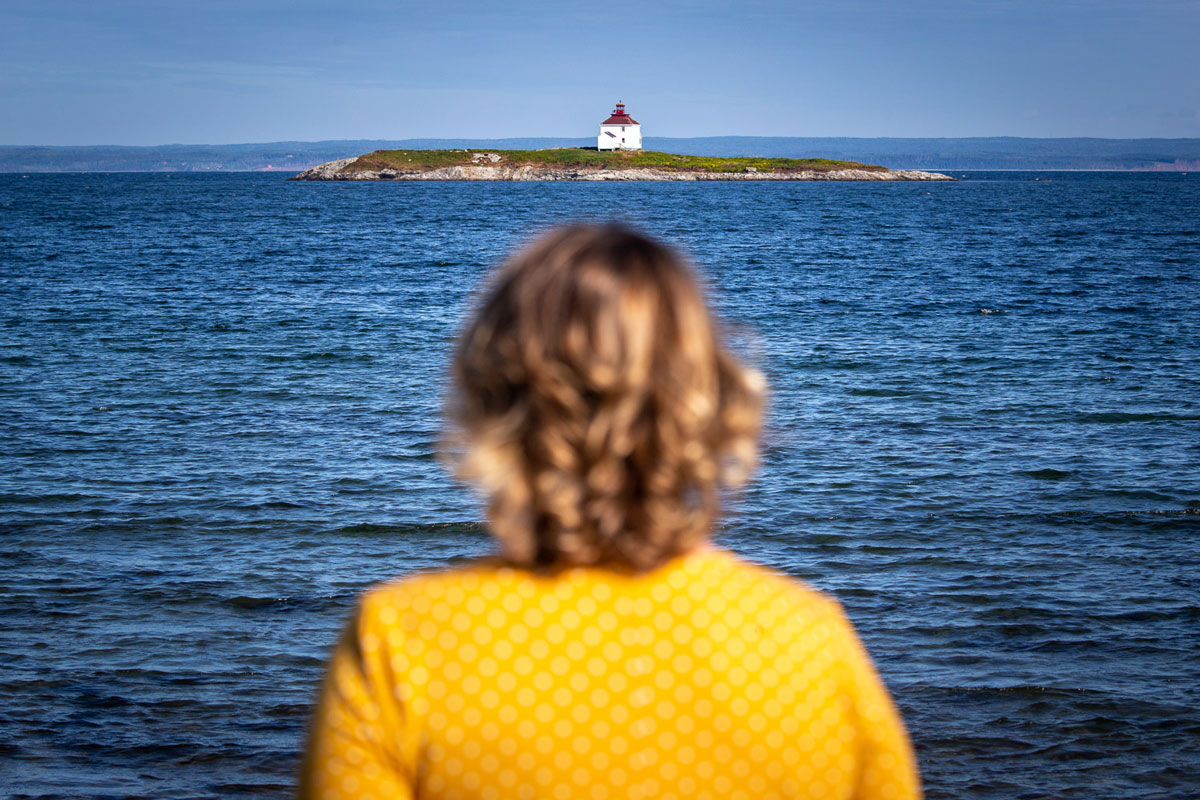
[[596, 405]]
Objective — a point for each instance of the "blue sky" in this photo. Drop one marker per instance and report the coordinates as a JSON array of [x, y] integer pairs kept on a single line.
[[220, 71]]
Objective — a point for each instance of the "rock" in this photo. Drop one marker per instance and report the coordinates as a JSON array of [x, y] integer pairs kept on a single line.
[[485, 167], [329, 171]]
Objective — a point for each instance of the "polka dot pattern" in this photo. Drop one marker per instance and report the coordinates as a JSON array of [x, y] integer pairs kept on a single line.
[[706, 678]]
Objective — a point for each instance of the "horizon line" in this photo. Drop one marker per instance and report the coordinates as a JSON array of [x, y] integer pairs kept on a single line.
[[583, 138]]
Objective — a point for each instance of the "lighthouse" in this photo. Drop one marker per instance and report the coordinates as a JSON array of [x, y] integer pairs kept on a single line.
[[619, 132]]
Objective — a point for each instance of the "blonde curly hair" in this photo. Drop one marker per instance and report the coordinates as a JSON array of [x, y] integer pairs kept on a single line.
[[595, 405]]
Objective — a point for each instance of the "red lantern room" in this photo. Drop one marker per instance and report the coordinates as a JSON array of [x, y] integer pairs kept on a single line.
[[619, 117]]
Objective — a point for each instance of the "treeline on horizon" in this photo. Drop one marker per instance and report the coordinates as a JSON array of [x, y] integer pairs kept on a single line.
[[992, 153]]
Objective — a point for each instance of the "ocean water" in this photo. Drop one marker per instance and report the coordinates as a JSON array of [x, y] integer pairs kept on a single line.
[[219, 406]]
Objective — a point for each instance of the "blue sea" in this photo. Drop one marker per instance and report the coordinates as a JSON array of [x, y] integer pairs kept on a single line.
[[219, 407]]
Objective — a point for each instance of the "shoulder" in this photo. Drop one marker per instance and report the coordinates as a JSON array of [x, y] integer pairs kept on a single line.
[[452, 583], [770, 586], [440, 594], [806, 622]]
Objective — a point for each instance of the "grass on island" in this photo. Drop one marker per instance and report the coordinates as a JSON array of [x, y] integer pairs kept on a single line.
[[416, 161]]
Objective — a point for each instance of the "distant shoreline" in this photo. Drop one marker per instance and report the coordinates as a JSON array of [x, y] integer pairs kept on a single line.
[[288, 172], [997, 153]]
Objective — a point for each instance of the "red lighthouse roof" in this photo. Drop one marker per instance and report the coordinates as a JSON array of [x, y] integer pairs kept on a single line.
[[619, 117]]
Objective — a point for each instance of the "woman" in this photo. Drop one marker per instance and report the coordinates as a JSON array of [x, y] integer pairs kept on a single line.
[[610, 651]]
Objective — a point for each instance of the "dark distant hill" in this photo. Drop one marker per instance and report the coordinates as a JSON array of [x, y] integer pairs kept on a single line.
[[1000, 152], [995, 153]]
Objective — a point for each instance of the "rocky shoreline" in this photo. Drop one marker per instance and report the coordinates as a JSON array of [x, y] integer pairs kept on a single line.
[[336, 171]]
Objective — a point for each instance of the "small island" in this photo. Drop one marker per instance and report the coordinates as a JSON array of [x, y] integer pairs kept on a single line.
[[593, 164]]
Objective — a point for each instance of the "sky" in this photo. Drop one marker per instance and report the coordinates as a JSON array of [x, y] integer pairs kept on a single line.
[[142, 72]]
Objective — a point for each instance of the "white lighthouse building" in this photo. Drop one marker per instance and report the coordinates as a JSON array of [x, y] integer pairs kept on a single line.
[[620, 132]]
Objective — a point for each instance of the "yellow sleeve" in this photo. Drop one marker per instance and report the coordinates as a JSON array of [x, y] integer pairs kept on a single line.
[[357, 740], [887, 765]]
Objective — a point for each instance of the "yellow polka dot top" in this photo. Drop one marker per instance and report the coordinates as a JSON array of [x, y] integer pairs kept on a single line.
[[707, 678]]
